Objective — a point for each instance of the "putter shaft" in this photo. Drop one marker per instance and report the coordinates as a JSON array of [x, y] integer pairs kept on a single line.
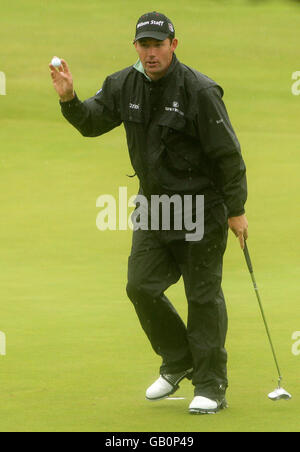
[[250, 267]]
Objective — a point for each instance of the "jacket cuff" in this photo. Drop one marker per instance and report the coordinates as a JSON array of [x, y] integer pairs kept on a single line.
[[70, 103], [236, 213]]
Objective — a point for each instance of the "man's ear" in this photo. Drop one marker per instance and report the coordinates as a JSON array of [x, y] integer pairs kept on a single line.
[[174, 44]]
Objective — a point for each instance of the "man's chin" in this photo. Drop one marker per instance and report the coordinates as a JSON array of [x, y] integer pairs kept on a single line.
[[155, 73]]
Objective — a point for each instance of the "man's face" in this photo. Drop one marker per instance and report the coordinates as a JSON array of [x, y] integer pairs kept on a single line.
[[156, 56]]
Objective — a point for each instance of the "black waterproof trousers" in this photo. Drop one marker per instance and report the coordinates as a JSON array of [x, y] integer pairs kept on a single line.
[[158, 259]]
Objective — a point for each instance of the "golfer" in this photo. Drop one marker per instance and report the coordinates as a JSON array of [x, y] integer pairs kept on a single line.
[[181, 142]]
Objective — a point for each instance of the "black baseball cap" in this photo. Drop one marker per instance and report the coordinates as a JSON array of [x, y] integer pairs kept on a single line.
[[154, 25]]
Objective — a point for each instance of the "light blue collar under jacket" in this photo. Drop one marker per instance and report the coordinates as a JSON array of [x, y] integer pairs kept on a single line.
[[140, 68]]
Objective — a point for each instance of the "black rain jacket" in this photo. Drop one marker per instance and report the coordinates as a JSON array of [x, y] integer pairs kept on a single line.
[[179, 135]]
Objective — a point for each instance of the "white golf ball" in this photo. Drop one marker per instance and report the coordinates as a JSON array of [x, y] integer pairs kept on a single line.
[[56, 62]]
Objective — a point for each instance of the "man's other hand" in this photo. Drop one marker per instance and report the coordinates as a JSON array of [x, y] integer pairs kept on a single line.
[[239, 226]]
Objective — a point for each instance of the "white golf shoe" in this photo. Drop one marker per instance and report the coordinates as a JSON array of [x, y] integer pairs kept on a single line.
[[203, 405], [166, 385]]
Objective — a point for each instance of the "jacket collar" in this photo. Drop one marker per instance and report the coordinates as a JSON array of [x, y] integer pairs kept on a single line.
[[140, 68]]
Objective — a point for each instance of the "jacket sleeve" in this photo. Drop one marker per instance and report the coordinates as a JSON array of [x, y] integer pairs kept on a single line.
[[94, 116], [222, 148]]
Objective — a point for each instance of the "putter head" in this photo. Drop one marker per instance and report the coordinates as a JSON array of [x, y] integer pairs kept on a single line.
[[279, 394]]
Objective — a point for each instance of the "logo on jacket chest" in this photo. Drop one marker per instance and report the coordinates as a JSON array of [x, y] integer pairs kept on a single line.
[[134, 106], [175, 108]]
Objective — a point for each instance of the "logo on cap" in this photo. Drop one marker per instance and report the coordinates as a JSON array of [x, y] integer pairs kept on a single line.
[[171, 28], [152, 22]]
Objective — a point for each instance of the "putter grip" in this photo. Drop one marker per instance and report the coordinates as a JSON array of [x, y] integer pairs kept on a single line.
[[247, 257]]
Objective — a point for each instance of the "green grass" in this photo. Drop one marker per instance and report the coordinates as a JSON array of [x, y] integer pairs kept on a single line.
[[77, 359]]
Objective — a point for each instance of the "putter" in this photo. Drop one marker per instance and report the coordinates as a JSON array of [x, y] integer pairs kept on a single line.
[[279, 393]]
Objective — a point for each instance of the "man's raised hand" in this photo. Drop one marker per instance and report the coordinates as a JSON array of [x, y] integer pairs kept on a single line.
[[62, 81]]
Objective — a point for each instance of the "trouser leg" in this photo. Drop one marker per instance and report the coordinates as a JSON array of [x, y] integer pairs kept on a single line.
[[207, 328], [201, 265], [151, 270]]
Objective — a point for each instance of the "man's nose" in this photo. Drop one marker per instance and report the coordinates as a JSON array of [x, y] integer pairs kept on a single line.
[[152, 52]]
